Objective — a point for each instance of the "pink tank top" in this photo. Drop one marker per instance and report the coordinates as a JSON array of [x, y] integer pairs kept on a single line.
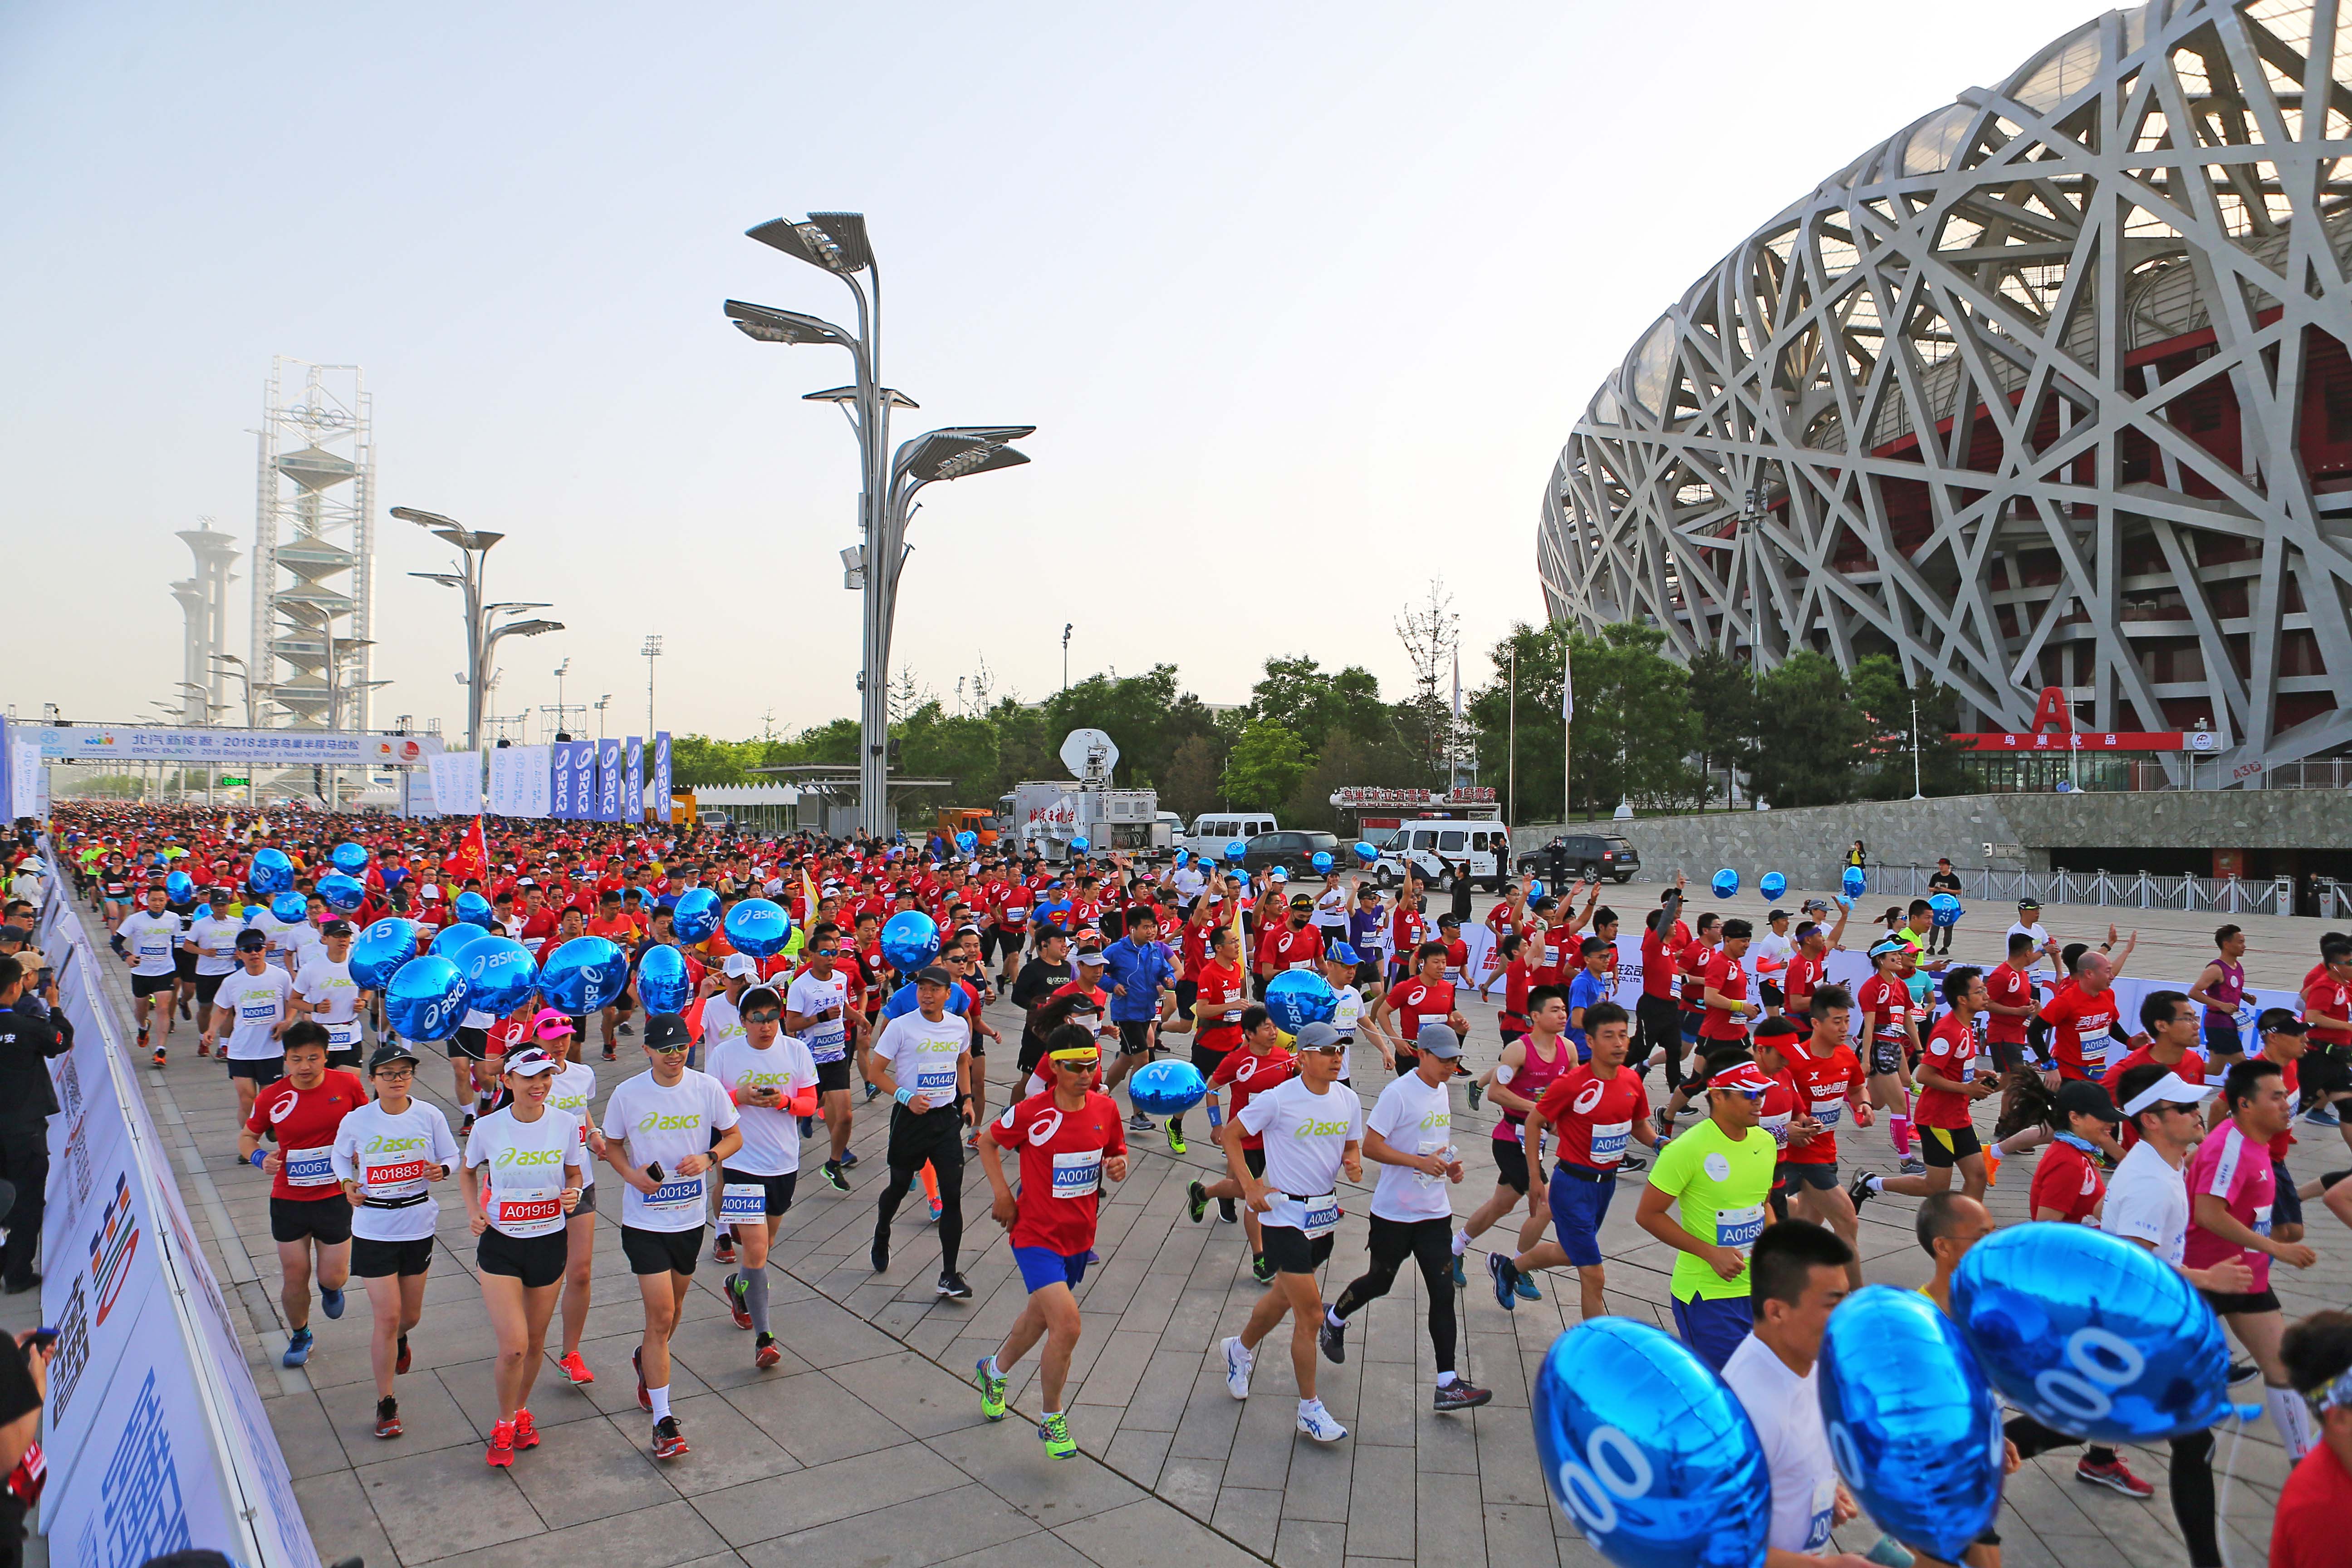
[[1535, 1076]]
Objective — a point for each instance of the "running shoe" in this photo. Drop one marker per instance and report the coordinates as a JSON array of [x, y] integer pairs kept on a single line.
[[2115, 1475], [203, 1049], [467, 1126], [2243, 1371], [1524, 1283], [1333, 1339], [143, 1037], [610, 1054], [1992, 1165], [387, 1417], [644, 1400], [575, 1371], [992, 1390], [1914, 1166], [736, 1288], [833, 1178], [297, 1349], [1139, 1122], [157, 1059], [1461, 1280], [1317, 1423], [1056, 1430], [953, 1288], [625, 1030], [502, 1450], [1238, 1362], [1506, 1275], [2320, 1116], [880, 1256], [1459, 1395], [849, 1159], [330, 1301], [871, 1090], [1889, 1553], [1196, 1202], [765, 1353], [723, 1250], [400, 1360], [939, 1207], [1227, 1213], [1176, 1144], [526, 1431], [971, 1141], [183, 1011], [1261, 1270], [1477, 1093], [808, 1126], [669, 1442], [1858, 1190], [1628, 1163]]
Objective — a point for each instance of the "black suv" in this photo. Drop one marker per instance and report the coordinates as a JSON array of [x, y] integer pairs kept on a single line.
[[1594, 854], [1292, 851]]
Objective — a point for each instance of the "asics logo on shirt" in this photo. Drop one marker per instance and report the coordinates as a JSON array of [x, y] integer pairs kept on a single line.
[[1041, 1130], [1436, 1119], [383, 1145], [1320, 1129], [282, 1109], [655, 1122], [1590, 1096], [509, 1157]]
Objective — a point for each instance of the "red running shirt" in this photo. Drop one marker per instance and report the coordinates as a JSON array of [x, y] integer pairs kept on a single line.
[[2072, 1018], [303, 1122], [1061, 1167], [1248, 1074], [1594, 1116], [1824, 1083]]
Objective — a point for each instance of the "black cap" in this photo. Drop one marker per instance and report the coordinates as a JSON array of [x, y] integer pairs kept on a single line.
[[667, 1029], [387, 1054], [336, 928], [252, 942], [2088, 1097], [16, 934], [932, 974], [1301, 901]]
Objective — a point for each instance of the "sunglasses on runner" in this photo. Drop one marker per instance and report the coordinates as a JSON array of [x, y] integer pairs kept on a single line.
[[1079, 1064], [677, 1048], [762, 1016], [1332, 1050]]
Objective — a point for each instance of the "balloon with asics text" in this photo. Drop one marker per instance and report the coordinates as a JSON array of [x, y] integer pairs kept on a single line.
[[1167, 1088], [584, 975], [272, 872], [1080, 845], [1854, 883], [179, 888], [453, 941], [2092, 1334], [426, 1000], [1321, 860], [349, 858], [1648, 1451], [1913, 1426], [291, 908], [696, 917], [1725, 882], [1771, 884], [1298, 998], [1366, 853], [759, 927], [499, 975], [344, 894], [474, 910], [663, 983], [1235, 850]]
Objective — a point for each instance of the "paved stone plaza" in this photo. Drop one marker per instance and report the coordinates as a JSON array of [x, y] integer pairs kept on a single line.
[[867, 1445]]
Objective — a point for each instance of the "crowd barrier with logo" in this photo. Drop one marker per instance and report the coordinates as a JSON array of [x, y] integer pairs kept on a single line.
[[155, 1434]]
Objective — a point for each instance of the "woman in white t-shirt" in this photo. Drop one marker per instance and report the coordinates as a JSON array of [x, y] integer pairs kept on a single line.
[[386, 1153], [537, 1168]]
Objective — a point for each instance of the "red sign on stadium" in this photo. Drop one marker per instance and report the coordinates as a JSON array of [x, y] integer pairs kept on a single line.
[[2087, 741]]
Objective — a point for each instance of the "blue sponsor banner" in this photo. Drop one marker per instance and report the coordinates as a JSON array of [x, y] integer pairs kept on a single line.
[[660, 803], [608, 780], [633, 782], [583, 781], [560, 784]]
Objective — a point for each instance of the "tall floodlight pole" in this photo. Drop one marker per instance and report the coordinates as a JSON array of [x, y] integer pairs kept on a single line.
[[602, 703], [836, 243], [483, 629], [652, 652]]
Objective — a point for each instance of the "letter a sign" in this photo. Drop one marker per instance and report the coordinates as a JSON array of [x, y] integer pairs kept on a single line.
[[2053, 710]]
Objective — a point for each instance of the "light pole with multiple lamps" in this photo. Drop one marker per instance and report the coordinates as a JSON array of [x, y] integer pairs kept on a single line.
[[652, 652], [482, 628], [836, 243]]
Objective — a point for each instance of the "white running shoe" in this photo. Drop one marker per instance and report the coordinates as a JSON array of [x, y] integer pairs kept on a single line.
[[1238, 1363], [1317, 1423]]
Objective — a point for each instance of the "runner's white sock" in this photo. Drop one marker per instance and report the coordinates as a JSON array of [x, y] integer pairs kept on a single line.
[[1461, 1242], [994, 1370], [1446, 1379], [2293, 1418], [1875, 1183], [1334, 1319], [660, 1396]]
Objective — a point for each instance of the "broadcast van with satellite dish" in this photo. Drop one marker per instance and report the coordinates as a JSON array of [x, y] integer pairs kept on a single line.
[[1047, 817]]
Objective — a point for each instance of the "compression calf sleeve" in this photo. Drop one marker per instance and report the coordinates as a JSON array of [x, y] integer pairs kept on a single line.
[[755, 1294]]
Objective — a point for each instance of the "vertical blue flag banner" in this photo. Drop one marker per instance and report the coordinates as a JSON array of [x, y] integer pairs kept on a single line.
[[633, 783], [608, 780], [583, 781], [559, 785], [660, 802]]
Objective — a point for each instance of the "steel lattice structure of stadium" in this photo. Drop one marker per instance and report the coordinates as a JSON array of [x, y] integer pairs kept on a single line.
[[2050, 389]]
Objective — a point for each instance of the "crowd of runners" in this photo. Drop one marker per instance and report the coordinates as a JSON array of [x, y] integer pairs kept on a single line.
[[2171, 1127]]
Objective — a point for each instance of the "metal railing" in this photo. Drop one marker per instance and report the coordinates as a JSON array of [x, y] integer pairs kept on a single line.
[[2108, 889]]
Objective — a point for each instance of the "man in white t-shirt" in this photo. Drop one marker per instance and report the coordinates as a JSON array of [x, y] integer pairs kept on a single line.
[[2029, 923], [1796, 1278], [658, 1137], [1410, 1136], [250, 1011], [769, 1076], [325, 991], [817, 1010], [151, 942], [212, 937], [923, 1060], [1313, 1129]]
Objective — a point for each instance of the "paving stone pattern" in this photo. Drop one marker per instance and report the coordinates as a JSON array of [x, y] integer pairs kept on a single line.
[[866, 1445]]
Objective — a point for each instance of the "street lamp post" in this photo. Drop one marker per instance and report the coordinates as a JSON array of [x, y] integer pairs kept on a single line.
[[482, 630], [836, 243], [652, 652], [602, 703], [1065, 656]]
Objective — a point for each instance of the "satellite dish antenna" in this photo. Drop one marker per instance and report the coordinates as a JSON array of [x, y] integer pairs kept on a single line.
[[1089, 754]]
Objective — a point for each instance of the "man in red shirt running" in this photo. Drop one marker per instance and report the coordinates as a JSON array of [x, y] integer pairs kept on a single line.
[[1425, 998], [1829, 1081], [309, 1217], [1216, 1013], [1950, 1087]]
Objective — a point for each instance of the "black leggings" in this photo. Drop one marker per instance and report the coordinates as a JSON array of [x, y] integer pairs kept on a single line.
[[2033, 1439], [935, 1137], [1430, 1242], [1662, 1034], [2192, 1497]]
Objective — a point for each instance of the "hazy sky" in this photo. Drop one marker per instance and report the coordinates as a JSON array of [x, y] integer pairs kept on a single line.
[[1303, 299]]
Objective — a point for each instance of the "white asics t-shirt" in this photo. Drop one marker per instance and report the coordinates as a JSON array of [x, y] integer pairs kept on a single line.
[[663, 1126], [387, 1155], [771, 1139]]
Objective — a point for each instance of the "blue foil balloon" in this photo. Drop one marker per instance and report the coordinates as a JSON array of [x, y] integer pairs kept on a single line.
[[1725, 882], [696, 918], [584, 975], [967, 841], [1771, 884], [1913, 1424], [910, 938], [1080, 845], [474, 910], [1534, 888], [427, 999], [290, 909], [1853, 884], [1648, 1451], [759, 927], [1183, 858], [379, 952], [453, 941], [1168, 1088], [349, 858], [1366, 853], [499, 975], [663, 984], [344, 894], [179, 888], [272, 872], [1320, 860], [1298, 998], [1945, 910], [1235, 850], [2092, 1334]]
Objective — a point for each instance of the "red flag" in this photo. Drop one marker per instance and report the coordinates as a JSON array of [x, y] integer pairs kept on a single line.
[[473, 856]]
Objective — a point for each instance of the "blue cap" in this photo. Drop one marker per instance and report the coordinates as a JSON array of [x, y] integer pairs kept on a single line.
[[1341, 953]]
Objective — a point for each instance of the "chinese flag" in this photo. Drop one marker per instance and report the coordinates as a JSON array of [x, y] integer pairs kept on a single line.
[[473, 856]]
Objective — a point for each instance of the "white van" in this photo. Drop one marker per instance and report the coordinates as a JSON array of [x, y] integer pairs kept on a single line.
[[1211, 831], [1481, 850]]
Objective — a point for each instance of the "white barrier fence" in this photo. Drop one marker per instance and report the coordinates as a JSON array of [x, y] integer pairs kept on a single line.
[[155, 1436]]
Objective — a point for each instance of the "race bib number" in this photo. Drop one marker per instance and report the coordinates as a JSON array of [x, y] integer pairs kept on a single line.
[[1319, 1216], [1426, 1020], [1433, 1146], [1828, 1112], [1078, 1174], [679, 1194], [257, 1012], [936, 1082], [1738, 1229], [1608, 1142], [2262, 1220], [385, 1182], [343, 1036], [1778, 1126], [1817, 1528], [309, 1167], [743, 1203], [535, 1211]]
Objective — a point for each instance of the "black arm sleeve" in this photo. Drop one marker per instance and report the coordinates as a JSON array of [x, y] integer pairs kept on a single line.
[[2037, 1034]]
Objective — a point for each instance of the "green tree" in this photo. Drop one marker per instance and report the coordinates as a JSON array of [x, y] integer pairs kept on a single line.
[[1344, 761], [1635, 727], [1314, 705], [1262, 766], [1023, 750], [1885, 700], [1145, 716], [935, 744], [1812, 733], [1195, 778], [1723, 692], [698, 761]]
